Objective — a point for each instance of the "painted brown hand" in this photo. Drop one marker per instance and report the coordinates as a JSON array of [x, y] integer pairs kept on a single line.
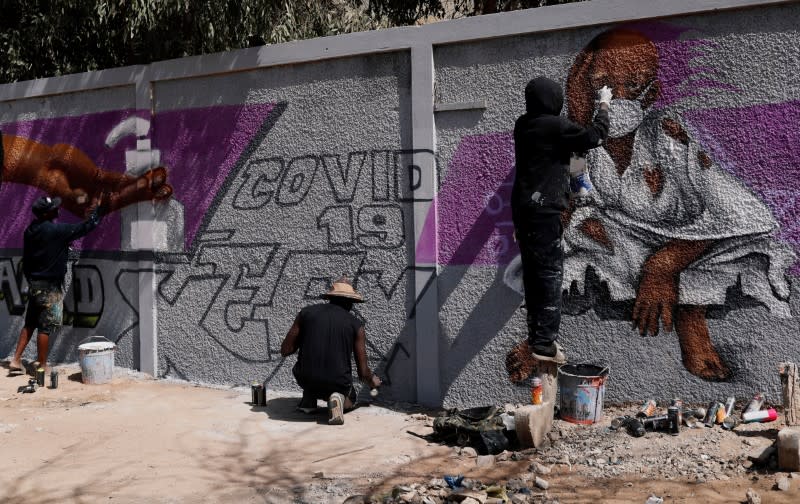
[[67, 172], [656, 300], [520, 362]]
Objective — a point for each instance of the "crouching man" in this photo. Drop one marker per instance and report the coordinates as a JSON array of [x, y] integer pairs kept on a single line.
[[326, 335]]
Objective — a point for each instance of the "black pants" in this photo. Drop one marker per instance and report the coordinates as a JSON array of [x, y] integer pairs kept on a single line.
[[322, 390], [539, 239]]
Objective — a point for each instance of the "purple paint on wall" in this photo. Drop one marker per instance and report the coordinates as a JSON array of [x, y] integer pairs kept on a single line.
[[201, 146], [759, 146], [474, 205], [198, 146], [756, 144], [88, 133], [678, 70]]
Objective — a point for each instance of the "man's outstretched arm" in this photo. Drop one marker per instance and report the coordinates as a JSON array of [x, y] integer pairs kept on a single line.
[[360, 350]]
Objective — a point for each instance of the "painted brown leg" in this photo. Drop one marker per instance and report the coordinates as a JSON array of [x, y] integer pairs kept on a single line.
[[699, 355], [520, 362]]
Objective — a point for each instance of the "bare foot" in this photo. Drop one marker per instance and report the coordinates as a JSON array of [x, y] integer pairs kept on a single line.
[[707, 366], [520, 362], [15, 366], [699, 355]]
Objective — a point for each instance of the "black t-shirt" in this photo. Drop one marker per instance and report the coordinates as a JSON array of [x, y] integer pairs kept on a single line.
[[327, 335]]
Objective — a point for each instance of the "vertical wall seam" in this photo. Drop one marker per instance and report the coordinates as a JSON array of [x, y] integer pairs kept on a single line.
[[426, 309]]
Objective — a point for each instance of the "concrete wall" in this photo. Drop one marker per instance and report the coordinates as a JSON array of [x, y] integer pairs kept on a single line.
[[388, 156]]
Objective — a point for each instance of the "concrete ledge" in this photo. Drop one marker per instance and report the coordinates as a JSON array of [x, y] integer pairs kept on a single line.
[[533, 422]]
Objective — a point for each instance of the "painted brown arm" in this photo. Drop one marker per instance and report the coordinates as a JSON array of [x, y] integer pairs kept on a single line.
[[658, 288], [67, 172]]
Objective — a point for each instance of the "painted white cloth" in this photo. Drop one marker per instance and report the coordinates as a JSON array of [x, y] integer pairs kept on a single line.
[[695, 203]]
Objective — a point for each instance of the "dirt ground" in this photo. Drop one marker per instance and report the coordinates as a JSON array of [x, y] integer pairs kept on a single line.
[[143, 440]]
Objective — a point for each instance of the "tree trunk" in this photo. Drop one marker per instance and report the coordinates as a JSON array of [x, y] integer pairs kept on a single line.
[[791, 393]]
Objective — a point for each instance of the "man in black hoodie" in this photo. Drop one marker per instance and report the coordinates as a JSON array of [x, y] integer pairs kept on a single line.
[[44, 263], [543, 143]]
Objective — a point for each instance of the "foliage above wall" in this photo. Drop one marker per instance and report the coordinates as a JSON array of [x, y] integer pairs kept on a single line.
[[42, 38]]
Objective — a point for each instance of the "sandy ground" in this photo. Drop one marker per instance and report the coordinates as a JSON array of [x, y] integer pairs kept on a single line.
[[142, 440]]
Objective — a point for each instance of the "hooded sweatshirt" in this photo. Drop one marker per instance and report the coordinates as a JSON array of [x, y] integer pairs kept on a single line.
[[46, 246], [543, 144]]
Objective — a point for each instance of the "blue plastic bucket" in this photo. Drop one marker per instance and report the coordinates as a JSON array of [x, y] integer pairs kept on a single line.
[[96, 357], [582, 389]]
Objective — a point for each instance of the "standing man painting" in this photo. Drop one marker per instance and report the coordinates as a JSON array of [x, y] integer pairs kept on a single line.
[[543, 144], [44, 263], [326, 335]]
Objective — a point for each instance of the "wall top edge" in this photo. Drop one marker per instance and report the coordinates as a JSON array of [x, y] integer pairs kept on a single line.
[[528, 21]]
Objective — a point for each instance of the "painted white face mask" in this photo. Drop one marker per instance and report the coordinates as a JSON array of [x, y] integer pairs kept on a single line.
[[625, 115]]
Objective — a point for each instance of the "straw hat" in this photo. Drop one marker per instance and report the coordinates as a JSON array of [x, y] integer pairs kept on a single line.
[[344, 289]]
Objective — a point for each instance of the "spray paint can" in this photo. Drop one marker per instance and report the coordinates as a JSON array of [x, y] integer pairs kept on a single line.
[[720, 413], [40, 377], [675, 419], [729, 423], [536, 390], [768, 415], [262, 395], [755, 404], [648, 409], [254, 394], [730, 403], [691, 422], [54, 379], [656, 422], [632, 425], [711, 414], [698, 413], [635, 427]]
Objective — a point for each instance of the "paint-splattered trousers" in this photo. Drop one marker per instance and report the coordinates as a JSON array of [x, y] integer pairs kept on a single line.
[[542, 253], [45, 306]]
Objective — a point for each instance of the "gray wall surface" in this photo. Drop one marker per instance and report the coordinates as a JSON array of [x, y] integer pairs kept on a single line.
[[247, 182]]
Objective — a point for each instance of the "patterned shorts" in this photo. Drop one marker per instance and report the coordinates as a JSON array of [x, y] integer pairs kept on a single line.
[[45, 306]]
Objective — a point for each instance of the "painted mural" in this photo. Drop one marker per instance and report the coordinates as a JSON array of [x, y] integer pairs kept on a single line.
[[691, 215], [136, 160], [194, 167], [254, 208]]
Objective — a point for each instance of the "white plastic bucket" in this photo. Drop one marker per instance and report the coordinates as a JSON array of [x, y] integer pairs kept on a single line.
[[96, 357]]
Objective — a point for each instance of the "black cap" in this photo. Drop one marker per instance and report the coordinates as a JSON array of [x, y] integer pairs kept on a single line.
[[45, 204]]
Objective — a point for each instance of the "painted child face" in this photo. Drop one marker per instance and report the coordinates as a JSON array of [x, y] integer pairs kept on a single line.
[[629, 66]]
